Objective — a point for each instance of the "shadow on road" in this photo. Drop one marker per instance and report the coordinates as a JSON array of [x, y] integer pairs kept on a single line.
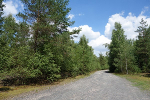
[[107, 71]]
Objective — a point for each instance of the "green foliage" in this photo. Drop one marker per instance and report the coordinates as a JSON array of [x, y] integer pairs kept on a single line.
[[142, 45], [4, 54], [85, 56], [74, 58], [103, 61], [126, 62], [48, 18], [44, 67], [118, 39], [1, 13], [122, 57], [40, 48], [10, 29]]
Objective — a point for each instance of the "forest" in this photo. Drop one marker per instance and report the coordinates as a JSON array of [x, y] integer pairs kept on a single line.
[[129, 56], [40, 48]]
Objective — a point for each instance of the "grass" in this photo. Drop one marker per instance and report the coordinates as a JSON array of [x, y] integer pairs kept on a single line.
[[11, 91], [141, 80]]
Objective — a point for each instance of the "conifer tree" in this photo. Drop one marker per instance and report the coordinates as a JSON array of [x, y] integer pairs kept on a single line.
[[142, 46], [48, 18], [3, 44], [1, 13], [86, 52], [10, 30], [103, 61], [23, 34]]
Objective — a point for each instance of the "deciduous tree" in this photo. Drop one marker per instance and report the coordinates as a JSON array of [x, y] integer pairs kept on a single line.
[[118, 38]]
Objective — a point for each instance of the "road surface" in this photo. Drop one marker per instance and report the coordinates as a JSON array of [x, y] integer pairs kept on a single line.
[[99, 86]]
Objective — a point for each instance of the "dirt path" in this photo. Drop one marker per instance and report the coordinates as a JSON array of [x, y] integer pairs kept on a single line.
[[99, 86]]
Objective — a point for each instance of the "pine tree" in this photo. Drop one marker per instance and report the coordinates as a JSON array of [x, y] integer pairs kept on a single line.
[[103, 61], [86, 55], [142, 46], [3, 44], [48, 18], [23, 34], [10, 30], [1, 13]]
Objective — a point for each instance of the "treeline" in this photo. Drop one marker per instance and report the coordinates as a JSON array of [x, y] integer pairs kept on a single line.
[[40, 48], [129, 56]]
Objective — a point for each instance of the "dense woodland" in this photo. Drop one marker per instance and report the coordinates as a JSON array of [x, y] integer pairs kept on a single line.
[[129, 56], [40, 48]]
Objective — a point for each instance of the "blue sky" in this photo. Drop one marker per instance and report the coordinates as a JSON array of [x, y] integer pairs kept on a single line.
[[97, 18], [97, 12]]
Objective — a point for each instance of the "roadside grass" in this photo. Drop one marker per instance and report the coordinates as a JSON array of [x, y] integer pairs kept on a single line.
[[12, 91], [141, 80]]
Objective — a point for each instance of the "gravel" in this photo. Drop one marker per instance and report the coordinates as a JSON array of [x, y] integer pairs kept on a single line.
[[99, 86]]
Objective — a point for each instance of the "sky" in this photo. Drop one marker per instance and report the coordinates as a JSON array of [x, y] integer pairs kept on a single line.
[[97, 18]]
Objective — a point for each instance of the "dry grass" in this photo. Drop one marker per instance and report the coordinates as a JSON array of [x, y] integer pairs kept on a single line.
[[141, 80], [11, 91]]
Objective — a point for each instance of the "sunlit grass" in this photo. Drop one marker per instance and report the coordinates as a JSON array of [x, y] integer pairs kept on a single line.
[[16, 90], [140, 80], [11, 91]]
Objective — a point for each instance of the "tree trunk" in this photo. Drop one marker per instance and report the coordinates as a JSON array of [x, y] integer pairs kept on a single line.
[[126, 66], [121, 63], [35, 41], [121, 66]]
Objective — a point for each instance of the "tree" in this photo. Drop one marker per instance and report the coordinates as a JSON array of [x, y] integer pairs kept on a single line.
[[118, 39], [61, 47], [23, 34], [142, 46], [10, 30], [48, 18], [103, 61], [86, 52], [7, 40], [3, 44], [1, 13], [126, 62], [40, 49]]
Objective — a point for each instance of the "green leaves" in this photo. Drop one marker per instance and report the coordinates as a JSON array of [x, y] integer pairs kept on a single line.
[[103, 61], [142, 51], [129, 56], [39, 49], [118, 39]]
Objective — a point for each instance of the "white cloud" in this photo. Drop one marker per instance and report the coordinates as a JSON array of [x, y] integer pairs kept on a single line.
[[10, 8], [87, 31], [81, 14], [98, 44], [99, 41], [129, 24], [144, 10], [95, 39], [71, 16]]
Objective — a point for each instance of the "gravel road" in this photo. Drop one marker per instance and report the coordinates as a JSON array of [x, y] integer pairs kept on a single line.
[[99, 86]]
